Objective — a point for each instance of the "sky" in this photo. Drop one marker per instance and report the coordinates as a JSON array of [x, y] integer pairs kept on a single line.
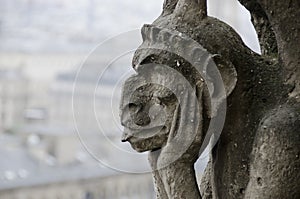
[[50, 36], [77, 25], [69, 25]]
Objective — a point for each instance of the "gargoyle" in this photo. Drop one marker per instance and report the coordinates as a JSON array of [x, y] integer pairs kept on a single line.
[[192, 71]]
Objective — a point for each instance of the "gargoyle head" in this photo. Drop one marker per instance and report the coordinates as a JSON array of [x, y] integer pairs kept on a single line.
[[147, 109], [176, 77]]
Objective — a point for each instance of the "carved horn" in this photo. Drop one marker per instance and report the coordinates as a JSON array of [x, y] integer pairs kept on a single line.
[[169, 6], [192, 6]]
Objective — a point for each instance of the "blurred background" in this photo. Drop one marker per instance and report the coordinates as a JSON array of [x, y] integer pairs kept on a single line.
[[59, 88]]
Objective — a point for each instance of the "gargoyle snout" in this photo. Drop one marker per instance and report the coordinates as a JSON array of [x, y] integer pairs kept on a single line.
[[126, 136]]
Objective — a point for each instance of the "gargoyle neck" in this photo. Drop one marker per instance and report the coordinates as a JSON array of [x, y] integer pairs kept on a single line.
[[177, 181]]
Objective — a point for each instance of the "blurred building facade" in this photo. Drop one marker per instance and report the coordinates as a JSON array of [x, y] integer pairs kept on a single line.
[[103, 187], [49, 159], [53, 165], [13, 98]]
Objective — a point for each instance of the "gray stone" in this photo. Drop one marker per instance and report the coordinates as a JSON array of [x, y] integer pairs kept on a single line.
[[167, 107]]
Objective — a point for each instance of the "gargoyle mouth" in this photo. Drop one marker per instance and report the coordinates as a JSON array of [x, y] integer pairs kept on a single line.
[[142, 134]]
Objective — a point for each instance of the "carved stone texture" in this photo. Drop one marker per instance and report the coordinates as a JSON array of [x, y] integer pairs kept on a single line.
[[168, 106]]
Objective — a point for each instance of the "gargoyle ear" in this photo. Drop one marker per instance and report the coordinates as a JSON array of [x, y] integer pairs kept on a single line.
[[218, 89], [229, 75]]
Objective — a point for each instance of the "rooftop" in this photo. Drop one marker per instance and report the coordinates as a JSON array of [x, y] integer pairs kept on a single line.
[[19, 169]]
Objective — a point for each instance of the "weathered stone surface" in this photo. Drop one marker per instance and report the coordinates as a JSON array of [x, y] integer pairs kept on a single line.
[[168, 105]]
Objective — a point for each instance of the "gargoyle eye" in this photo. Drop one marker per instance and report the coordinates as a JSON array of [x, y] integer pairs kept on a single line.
[[134, 108]]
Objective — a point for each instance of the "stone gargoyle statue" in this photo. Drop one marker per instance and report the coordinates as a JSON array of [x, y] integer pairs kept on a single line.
[[195, 79]]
